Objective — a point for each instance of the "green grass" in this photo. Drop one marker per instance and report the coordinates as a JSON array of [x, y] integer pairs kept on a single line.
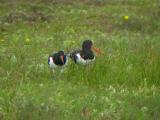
[[122, 84]]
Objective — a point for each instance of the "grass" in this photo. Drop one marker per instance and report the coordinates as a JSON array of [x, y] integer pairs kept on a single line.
[[123, 84]]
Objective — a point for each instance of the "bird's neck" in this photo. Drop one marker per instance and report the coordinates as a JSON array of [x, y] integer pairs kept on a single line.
[[87, 54]]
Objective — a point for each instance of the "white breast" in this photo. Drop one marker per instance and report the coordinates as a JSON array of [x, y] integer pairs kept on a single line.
[[80, 60], [51, 63]]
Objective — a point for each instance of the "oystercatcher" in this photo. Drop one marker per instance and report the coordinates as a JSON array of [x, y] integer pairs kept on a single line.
[[57, 60], [86, 55]]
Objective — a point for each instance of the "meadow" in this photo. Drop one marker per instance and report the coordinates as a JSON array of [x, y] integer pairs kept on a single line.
[[122, 84]]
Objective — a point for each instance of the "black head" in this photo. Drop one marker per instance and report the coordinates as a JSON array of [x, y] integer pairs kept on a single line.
[[61, 53], [87, 44]]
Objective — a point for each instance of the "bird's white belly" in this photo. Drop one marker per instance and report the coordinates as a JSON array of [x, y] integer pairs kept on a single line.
[[80, 60]]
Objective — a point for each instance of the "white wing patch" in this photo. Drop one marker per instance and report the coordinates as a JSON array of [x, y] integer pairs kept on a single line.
[[80, 60]]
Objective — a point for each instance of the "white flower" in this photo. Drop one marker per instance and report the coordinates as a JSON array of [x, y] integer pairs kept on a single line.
[[144, 109], [41, 85]]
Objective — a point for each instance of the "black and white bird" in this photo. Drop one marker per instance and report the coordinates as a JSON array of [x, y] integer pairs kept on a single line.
[[57, 61], [86, 54]]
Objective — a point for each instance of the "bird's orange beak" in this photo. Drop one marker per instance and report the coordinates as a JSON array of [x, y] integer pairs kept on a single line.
[[97, 50], [62, 59]]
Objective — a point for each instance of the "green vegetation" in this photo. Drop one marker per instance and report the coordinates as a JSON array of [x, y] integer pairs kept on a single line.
[[123, 84]]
